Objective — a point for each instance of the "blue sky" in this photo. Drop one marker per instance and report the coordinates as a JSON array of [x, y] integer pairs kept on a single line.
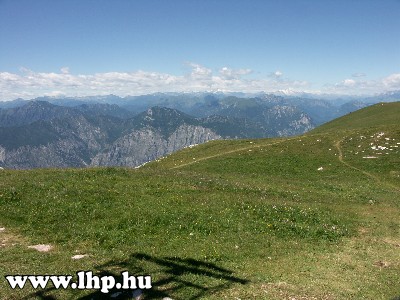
[[87, 47]]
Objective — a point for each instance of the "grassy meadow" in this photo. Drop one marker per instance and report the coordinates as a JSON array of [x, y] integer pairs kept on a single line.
[[307, 217]]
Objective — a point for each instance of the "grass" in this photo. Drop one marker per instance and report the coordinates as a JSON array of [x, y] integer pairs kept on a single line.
[[251, 219], [381, 114]]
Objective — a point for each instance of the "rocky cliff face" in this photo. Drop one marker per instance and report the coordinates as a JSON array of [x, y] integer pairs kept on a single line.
[[74, 139], [2, 154], [34, 111], [288, 120], [42, 135], [147, 144], [57, 143], [187, 135], [61, 154]]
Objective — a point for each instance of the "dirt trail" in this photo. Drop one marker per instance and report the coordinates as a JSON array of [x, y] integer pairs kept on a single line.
[[372, 176], [229, 152], [337, 145]]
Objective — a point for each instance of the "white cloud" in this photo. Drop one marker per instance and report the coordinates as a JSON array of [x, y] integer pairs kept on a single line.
[[277, 75], [348, 82], [28, 84], [8, 77], [365, 87], [228, 73], [392, 81], [55, 94], [198, 71], [65, 70]]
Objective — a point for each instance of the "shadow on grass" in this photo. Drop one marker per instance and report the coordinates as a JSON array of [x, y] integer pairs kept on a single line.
[[174, 277]]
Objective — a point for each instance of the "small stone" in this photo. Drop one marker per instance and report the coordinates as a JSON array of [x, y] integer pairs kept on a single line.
[[41, 247], [79, 256]]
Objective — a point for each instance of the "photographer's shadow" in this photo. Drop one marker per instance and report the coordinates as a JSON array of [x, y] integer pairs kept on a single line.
[[172, 278]]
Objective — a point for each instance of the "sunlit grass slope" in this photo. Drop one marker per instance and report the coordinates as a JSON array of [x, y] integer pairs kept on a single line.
[[381, 114], [308, 217]]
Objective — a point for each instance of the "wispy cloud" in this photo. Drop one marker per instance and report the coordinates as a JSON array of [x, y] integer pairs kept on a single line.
[[358, 74], [30, 84], [277, 74]]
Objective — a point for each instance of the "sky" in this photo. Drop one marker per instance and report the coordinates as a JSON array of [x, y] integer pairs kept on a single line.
[[134, 47]]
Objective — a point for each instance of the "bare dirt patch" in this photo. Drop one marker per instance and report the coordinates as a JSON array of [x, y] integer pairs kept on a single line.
[[8, 238], [363, 230], [395, 243], [382, 264]]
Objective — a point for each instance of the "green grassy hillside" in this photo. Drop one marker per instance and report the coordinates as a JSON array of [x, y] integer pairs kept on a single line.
[[308, 217], [381, 114]]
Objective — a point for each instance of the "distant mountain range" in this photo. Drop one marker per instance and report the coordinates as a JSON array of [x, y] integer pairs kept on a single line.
[[114, 131]]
